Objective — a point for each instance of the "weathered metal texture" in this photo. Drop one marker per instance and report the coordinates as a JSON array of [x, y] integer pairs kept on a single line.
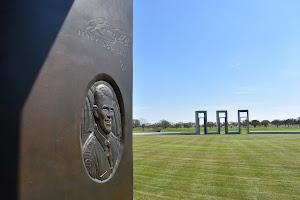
[[239, 120], [51, 54], [197, 121]]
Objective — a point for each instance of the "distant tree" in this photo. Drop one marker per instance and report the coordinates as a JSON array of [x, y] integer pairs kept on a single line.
[[143, 123], [276, 122], [265, 123], [298, 121], [147, 125], [255, 123], [285, 122], [244, 123], [154, 126], [210, 124], [178, 125], [188, 125], [136, 123], [172, 125], [164, 123], [293, 121], [233, 124], [289, 121]]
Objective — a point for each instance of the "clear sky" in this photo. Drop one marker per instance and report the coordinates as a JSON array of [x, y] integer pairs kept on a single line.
[[216, 55]]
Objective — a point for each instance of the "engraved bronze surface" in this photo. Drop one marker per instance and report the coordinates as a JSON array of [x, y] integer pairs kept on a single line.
[[101, 131], [51, 54]]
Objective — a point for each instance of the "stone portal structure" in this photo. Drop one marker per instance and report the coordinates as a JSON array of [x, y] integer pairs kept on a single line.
[[197, 121], [239, 119], [218, 121]]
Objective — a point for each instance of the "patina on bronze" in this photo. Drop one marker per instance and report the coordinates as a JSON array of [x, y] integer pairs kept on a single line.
[[101, 131], [52, 53]]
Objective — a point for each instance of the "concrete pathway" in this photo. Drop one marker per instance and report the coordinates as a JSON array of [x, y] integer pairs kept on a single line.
[[162, 133], [274, 132], [179, 133]]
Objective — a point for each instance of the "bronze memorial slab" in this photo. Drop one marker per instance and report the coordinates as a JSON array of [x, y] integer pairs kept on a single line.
[[66, 74]]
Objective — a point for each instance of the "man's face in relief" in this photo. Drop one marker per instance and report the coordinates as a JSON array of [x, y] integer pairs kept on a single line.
[[105, 112]]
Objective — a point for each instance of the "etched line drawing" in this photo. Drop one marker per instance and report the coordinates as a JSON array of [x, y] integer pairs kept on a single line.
[[110, 38], [103, 31], [101, 131]]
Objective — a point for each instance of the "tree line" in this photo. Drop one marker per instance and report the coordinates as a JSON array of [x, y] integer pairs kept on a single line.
[[162, 124], [276, 122]]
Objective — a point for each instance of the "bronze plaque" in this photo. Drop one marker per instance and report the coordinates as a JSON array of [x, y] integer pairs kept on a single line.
[[101, 131], [69, 126]]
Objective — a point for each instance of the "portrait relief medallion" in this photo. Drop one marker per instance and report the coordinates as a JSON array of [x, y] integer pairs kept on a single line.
[[101, 131]]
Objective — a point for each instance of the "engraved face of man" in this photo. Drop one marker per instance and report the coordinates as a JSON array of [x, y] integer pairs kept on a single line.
[[104, 108]]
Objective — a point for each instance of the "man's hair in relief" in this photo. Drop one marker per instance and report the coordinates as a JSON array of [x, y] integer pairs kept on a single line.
[[102, 91]]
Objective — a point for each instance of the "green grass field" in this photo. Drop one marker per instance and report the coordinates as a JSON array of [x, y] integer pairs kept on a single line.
[[217, 167]]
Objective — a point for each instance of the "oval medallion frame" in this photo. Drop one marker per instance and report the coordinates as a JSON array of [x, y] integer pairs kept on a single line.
[[102, 129]]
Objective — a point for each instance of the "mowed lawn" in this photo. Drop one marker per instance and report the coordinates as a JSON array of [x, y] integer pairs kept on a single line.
[[217, 167]]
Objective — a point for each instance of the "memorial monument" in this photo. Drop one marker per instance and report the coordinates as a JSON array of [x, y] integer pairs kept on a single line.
[[197, 121], [247, 120], [66, 80], [218, 121]]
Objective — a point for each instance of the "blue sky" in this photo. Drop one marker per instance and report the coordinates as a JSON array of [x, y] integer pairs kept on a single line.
[[216, 55]]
